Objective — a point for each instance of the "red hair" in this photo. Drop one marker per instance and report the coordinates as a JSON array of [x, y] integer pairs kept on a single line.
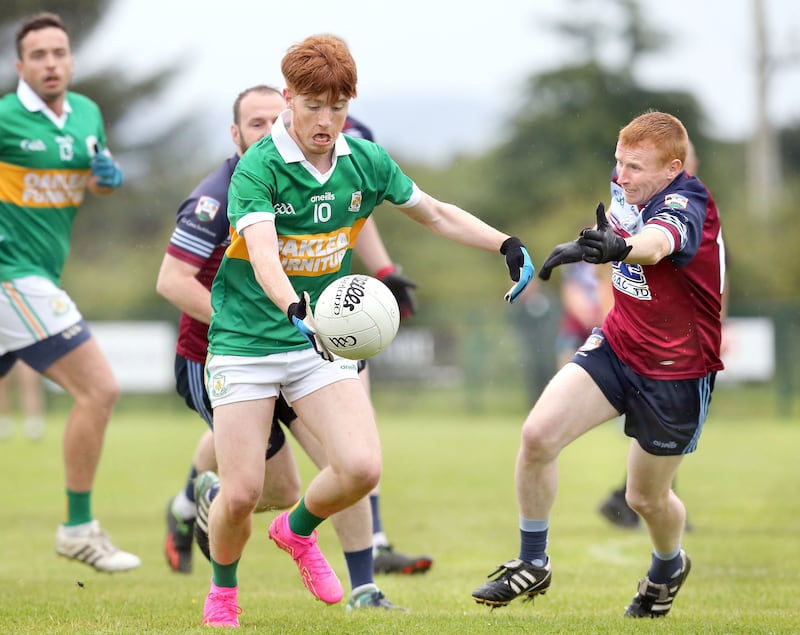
[[665, 132], [320, 65]]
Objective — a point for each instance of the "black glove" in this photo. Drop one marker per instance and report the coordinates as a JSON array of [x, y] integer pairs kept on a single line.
[[561, 255], [602, 244], [299, 314], [400, 286]]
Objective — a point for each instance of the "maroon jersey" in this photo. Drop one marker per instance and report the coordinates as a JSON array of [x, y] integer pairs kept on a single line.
[[666, 321], [200, 237]]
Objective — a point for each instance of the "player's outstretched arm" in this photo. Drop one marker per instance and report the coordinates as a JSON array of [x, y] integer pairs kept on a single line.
[[452, 222]]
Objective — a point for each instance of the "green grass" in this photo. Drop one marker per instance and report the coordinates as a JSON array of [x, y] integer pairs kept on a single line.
[[448, 490]]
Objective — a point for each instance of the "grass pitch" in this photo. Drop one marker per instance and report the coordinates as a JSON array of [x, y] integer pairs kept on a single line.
[[447, 491]]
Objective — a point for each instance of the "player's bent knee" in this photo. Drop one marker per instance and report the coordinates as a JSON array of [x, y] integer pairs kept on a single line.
[[99, 398], [239, 503], [362, 477], [535, 446], [107, 393], [644, 505]]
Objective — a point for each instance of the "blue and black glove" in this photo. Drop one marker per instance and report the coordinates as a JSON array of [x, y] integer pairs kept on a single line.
[[299, 314], [602, 244], [400, 286], [105, 169], [520, 267]]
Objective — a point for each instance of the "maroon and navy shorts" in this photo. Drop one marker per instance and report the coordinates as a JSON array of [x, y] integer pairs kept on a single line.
[[666, 417]]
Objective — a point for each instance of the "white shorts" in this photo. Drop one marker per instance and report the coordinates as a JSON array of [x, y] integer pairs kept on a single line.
[[231, 378], [33, 309]]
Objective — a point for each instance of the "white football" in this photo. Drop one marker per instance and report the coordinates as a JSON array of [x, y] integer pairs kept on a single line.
[[357, 316]]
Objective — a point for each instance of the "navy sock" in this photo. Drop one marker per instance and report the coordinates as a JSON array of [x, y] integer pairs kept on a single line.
[[533, 541], [665, 567], [377, 527], [189, 489], [359, 567]]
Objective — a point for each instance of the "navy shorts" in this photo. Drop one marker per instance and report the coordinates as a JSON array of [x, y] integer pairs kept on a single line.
[[43, 353], [189, 383], [664, 416]]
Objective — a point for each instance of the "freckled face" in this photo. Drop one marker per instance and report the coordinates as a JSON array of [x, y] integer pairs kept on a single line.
[[642, 173], [317, 121]]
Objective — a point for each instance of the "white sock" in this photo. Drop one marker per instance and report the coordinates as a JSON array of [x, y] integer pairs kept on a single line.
[[379, 539], [74, 530], [370, 586], [185, 508]]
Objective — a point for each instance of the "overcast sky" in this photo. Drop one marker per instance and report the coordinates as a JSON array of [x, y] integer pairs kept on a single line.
[[463, 65]]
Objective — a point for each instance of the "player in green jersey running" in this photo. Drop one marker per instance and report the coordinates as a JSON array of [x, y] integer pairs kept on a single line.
[[297, 201], [52, 148]]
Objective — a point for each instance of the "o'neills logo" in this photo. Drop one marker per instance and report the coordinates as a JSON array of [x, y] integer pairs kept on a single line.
[[349, 296]]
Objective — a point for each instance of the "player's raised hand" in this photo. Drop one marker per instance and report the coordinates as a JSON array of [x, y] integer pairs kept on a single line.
[[520, 267], [104, 169], [400, 286], [300, 314], [561, 255], [602, 219], [602, 244]]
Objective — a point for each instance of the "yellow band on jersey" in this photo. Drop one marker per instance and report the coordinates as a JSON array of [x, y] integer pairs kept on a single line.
[[310, 255], [28, 187]]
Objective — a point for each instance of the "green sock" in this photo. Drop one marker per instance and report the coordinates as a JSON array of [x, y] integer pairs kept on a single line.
[[79, 508], [303, 522], [224, 575]]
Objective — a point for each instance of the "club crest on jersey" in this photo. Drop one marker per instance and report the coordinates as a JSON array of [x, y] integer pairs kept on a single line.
[[356, 199], [60, 304], [206, 209], [676, 201], [219, 385]]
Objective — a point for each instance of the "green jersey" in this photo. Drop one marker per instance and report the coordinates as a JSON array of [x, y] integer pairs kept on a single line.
[[44, 167], [317, 218]]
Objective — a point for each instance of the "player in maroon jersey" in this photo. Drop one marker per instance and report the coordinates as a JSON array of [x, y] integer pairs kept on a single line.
[[614, 508], [654, 360]]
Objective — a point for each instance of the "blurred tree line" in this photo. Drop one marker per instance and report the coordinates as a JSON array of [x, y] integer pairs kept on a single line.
[[541, 181]]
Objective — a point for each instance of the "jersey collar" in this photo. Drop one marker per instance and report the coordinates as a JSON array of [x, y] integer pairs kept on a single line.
[[34, 103]]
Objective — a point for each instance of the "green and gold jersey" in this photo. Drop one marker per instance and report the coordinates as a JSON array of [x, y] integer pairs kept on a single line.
[[44, 167], [317, 218]]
